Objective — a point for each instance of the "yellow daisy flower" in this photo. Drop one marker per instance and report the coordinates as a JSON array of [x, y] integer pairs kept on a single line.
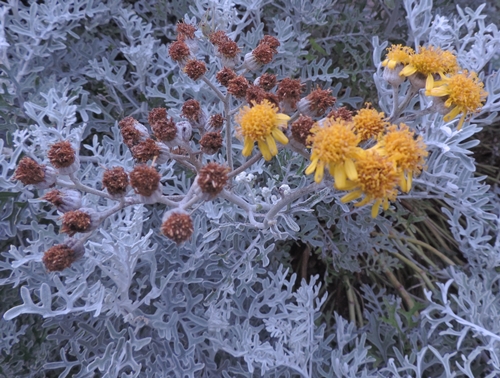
[[261, 124], [397, 54], [464, 94], [400, 146], [369, 123], [334, 144], [377, 181], [430, 61]]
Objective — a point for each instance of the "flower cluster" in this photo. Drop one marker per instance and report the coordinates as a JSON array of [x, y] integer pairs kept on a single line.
[[438, 71]]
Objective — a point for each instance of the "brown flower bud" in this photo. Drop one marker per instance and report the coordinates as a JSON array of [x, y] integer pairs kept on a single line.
[[82, 220], [341, 113], [224, 76], [266, 81], [301, 129], [212, 179], [146, 150], [211, 142], [195, 69], [145, 180], [64, 199], [115, 180], [62, 256], [179, 51], [289, 93], [62, 156], [177, 226], [157, 115], [238, 86]]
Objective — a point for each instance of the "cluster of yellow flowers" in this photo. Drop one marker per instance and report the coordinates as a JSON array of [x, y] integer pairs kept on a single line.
[[439, 72]]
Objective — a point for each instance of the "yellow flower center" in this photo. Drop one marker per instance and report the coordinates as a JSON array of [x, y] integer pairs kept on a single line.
[[377, 176], [466, 91], [369, 123], [431, 60], [258, 122], [397, 54]]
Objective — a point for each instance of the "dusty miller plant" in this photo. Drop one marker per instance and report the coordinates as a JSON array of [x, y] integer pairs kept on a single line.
[[192, 278]]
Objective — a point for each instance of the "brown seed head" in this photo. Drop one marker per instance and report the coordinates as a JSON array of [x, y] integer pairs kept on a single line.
[[29, 171], [320, 100], [54, 197], [228, 49], [191, 109], [59, 257], [127, 121], [289, 90], [145, 150], [255, 95], [156, 115], [178, 51], [341, 113], [301, 129], [263, 53], [212, 178], [195, 69], [144, 180], [218, 37], [75, 221], [211, 142], [267, 81], [61, 154], [271, 41], [238, 86], [115, 180], [178, 227], [216, 121], [165, 130], [225, 75], [185, 30], [272, 98]]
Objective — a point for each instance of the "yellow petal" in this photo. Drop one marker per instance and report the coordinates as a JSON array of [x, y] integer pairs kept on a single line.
[[350, 170], [454, 112], [272, 145], [339, 174], [409, 181], [312, 166], [279, 136], [265, 150], [375, 208], [363, 202], [429, 83], [282, 119], [438, 91], [320, 169], [385, 204], [402, 182], [247, 147], [461, 122], [331, 168], [349, 185], [408, 71], [351, 196]]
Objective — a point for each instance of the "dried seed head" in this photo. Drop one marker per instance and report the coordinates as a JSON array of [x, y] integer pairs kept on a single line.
[[115, 180], [272, 98], [263, 53], [165, 130], [317, 102], [341, 113], [132, 131], [61, 154], [82, 220], [157, 115], [185, 30], [216, 121], [218, 37], [145, 180], [146, 150], [177, 226], [271, 41], [29, 171], [61, 256], [225, 75], [64, 199], [255, 95], [238, 86], [191, 109], [301, 129], [179, 51], [266, 81], [211, 142], [212, 179], [289, 93], [228, 48], [195, 69]]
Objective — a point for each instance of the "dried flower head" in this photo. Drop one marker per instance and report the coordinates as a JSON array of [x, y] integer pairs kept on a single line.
[[289, 92], [82, 220], [212, 178], [61, 154], [255, 95], [261, 124], [271, 41], [64, 199], [29, 171], [316, 102], [165, 130], [157, 115], [179, 51], [238, 86], [228, 48], [216, 121], [263, 53], [225, 75], [132, 131], [195, 69], [115, 180], [301, 129], [218, 37], [145, 150], [177, 226], [341, 113], [145, 180], [266, 81], [191, 109], [368, 123], [185, 30], [61, 256], [211, 142]]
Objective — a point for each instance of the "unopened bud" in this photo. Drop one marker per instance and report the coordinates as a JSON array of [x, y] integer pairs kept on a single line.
[[184, 131], [392, 75]]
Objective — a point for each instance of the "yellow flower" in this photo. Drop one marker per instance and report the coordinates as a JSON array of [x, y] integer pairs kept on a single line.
[[261, 124], [400, 146], [377, 181], [369, 123], [397, 54], [430, 61], [334, 144], [464, 94]]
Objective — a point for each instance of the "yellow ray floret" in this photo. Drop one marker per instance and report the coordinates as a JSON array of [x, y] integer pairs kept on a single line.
[[430, 61], [407, 152], [333, 145], [261, 123], [397, 54], [377, 181], [464, 94]]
